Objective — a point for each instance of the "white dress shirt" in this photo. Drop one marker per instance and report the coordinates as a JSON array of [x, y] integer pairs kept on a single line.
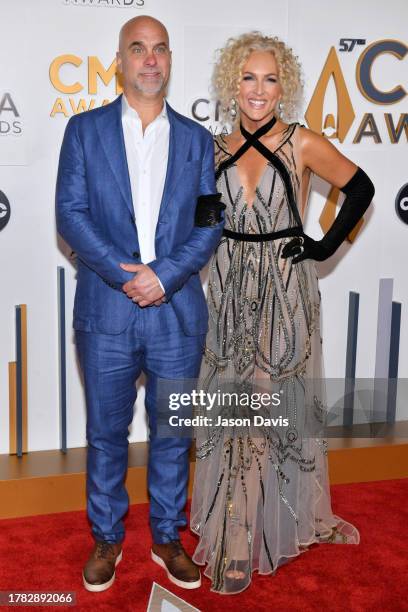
[[147, 156]]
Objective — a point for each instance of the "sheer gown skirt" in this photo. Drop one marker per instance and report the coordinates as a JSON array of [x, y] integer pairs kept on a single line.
[[261, 495]]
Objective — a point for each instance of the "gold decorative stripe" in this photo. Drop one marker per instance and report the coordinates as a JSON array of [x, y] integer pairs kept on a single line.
[[12, 407], [24, 386]]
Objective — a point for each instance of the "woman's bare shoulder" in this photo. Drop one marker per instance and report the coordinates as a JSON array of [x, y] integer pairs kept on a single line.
[[308, 136]]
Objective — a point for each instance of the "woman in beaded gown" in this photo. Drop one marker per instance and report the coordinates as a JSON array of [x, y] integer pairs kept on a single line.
[[261, 493]]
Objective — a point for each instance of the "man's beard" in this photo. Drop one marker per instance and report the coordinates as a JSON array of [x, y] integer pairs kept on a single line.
[[150, 88]]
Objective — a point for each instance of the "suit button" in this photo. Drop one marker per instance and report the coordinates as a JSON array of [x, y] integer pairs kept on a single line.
[[136, 254]]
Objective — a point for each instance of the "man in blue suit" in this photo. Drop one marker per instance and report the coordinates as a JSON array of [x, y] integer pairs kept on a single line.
[[130, 176]]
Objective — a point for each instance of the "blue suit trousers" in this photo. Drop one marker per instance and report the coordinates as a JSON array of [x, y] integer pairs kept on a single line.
[[153, 343]]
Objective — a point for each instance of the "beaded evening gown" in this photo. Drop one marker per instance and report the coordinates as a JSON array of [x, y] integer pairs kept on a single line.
[[261, 494]]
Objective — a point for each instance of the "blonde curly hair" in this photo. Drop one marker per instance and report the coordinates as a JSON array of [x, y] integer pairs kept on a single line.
[[231, 59]]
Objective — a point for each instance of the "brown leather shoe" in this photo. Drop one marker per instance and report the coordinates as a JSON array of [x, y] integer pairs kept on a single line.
[[99, 571], [179, 567]]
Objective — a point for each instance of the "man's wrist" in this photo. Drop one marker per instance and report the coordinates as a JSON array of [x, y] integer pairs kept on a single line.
[[161, 284]]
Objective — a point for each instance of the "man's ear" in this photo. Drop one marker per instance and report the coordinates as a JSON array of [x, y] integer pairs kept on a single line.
[[118, 61]]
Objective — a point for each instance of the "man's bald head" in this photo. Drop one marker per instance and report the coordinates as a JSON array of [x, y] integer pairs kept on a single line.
[[137, 24], [144, 57]]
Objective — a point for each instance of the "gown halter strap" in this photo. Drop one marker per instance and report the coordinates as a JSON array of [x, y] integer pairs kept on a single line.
[[252, 140]]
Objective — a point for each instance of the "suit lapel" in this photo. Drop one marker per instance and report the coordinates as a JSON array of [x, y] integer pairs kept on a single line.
[[109, 126], [179, 148]]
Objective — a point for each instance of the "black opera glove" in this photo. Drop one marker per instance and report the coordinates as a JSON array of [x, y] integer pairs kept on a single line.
[[359, 192], [208, 210], [303, 247]]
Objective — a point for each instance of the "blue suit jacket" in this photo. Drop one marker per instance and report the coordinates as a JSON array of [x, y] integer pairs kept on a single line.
[[96, 218]]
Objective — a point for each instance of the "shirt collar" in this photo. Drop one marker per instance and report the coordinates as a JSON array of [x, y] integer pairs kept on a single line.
[[129, 111]]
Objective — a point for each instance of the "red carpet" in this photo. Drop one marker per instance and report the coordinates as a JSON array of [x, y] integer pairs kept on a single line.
[[46, 553]]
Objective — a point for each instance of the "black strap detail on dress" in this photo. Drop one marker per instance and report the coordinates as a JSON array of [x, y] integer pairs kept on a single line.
[[281, 168], [247, 144], [252, 140], [290, 231]]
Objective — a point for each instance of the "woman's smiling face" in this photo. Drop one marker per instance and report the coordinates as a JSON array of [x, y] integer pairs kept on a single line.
[[260, 89]]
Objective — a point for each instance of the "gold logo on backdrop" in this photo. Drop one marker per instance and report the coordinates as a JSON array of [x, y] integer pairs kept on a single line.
[[332, 126], [97, 75], [340, 124]]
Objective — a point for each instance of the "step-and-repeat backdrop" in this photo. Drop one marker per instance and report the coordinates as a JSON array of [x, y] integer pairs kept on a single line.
[[57, 59]]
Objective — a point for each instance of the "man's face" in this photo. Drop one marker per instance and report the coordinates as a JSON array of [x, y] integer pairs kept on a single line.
[[144, 57]]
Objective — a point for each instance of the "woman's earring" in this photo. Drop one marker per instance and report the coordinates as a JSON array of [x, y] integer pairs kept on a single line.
[[280, 108], [233, 108]]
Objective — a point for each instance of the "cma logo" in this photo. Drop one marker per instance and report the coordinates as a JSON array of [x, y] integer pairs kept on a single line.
[[67, 77], [109, 3], [4, 210], [10, 121], [338, 126], [204, 109], [401, 203]]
